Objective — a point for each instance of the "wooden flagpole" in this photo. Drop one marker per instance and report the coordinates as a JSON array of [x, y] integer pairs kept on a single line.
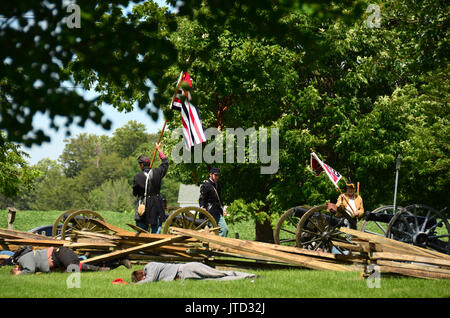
[[159, 140], [165, 121]]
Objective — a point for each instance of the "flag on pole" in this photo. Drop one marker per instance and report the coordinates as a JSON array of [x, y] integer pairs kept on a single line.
[[190, 117], [318, 167]]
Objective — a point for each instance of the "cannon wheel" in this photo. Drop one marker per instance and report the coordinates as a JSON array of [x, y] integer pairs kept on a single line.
[[376, 227], [81, 220], [286, 227], [421, 225], [190, 217], [56, 229], [318, 230]]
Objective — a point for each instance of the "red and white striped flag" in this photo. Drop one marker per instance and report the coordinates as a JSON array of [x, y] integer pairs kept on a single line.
[[318, 167], [190, 117]]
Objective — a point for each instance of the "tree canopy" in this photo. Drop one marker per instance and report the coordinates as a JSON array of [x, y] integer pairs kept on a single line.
[[44, 58], [318, 72], [359, 96]]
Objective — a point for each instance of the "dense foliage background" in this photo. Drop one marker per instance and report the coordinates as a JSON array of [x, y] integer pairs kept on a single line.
[[360, 95]]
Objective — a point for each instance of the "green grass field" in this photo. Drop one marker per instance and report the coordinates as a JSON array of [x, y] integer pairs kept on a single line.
[[286, 283]]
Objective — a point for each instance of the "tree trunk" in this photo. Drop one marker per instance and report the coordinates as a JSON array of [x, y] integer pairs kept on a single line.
[[264, 232]]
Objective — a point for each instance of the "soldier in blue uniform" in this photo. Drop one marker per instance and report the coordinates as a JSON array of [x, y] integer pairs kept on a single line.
[[154, 214], [211, 200]]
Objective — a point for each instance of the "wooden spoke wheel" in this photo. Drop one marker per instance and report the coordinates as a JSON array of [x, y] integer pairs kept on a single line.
[[81, 220], [421, 225], [319, 230], [56, 229], [376, 222], [190, 217], [285, 230]]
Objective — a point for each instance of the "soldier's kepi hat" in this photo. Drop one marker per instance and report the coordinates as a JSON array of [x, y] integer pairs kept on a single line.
[[143, 160], [214, 170]]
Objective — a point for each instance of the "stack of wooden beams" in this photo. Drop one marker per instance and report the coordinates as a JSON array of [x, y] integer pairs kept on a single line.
[[102, 247], [12, 239], [368, 251], [181, 245], [227, 248], [390, 256]]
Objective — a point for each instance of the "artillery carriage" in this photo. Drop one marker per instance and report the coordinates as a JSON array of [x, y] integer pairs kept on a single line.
[[317, 228], [70, 222]]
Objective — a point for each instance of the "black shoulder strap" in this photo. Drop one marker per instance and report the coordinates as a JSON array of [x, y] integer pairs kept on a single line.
[[21, 251]]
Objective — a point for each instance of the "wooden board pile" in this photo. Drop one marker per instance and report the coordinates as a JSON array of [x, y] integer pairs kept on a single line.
[[390, 256], [183, 245], [180, 246], [114, 243]]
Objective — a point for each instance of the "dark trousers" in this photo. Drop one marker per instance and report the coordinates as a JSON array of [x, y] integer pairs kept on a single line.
[[155, 229], [64, 257]]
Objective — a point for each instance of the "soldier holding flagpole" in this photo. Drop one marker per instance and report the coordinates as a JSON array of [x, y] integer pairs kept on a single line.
[[349, 202]]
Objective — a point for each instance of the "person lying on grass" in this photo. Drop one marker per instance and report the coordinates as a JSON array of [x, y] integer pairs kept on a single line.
[[156, 271], [46, 260]]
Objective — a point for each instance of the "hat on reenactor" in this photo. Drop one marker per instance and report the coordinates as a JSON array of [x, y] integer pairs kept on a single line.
[[351, 185], [214, 170], [143, 160]]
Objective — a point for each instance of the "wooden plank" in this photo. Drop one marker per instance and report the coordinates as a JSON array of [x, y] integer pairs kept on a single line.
[[412, 272], [407, 248], [410, 258], [129, 235], [97, 235], [323, 256], [89, 244], [148, 239], [137, 228], [294, 250], [248, 246], [218, 250], [248, 264], [350, 247], [94, 241], [107, 225], [430, 268], [35, 242], [23, 235], [124, 252], [163, 258]]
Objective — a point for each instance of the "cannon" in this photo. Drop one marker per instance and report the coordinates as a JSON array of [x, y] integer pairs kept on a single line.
[[76, 220], [69, 222], [190, 217], [313, 228], [317, 228], [421, 225]]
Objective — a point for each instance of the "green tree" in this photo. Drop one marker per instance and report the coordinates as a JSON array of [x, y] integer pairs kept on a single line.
[[239, 81], [46, 53], [80, 150], [53, 190], [112, 195], [108, 167], [16, 176], [128, 138], [345, 94]]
